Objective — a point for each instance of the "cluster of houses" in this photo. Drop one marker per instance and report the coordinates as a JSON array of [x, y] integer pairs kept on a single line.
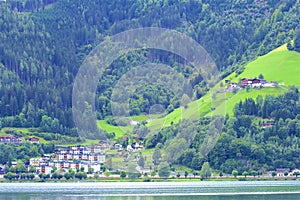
[[249, 82], [78, 157], [286, 172], [135, 146], [74, 157], [17, 140], [10, 139], [91, 159]]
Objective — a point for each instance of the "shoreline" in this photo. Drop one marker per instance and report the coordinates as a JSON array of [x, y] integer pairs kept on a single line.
[[116, 180]]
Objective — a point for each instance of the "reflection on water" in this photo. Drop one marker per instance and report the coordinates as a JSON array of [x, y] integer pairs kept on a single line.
[[21, 196], [261, 190]]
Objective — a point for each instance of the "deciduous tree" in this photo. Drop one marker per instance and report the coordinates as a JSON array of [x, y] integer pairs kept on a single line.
[[205, 171], [164, 170]]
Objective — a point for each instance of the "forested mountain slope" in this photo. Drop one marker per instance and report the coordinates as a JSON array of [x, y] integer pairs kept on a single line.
[[43, 44]]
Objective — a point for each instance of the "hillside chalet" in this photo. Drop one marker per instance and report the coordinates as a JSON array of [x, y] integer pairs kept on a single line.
[[250, 82]]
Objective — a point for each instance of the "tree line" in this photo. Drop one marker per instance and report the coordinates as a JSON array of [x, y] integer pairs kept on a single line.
[[244, 144]]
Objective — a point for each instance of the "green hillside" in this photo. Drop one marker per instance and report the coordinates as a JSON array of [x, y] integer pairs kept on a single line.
[[280, 65], [118, 130]]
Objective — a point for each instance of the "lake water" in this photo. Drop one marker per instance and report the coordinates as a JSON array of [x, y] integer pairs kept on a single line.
[[258, 190]]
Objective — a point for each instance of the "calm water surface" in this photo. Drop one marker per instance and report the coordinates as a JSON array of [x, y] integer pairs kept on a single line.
[[258, 190]]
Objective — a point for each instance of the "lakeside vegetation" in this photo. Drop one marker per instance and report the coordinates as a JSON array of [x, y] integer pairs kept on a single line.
[[151, 179]]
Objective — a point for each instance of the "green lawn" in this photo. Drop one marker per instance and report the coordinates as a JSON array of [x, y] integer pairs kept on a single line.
[[280, 65], [4, 130], [118, 130], [117, 159], [194, 110], [148, 151], [121, 130], [139, 118], [243, 94]]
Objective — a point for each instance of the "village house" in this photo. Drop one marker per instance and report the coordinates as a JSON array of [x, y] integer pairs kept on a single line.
[[2, 169], [249, 82], [44, 169], [256, 83], [75, 165], [33, 140], [129, 148], [14, 163], [232, 85], [47, 157], [35, 161], [96, 167], [280, 171], [118, 146], [65, 166], [102, 146], [10, 139], [137, 147], [270, 84], [252, 82], [74, 150], [76, 155], [267, 122], [265, 125]]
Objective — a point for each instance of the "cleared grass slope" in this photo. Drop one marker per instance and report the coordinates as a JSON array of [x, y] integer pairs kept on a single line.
[[118, 130], [279, 65]]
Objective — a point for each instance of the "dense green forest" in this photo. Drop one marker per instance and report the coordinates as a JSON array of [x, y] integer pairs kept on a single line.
[[244, 144], [12, 152], [44, 42]]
